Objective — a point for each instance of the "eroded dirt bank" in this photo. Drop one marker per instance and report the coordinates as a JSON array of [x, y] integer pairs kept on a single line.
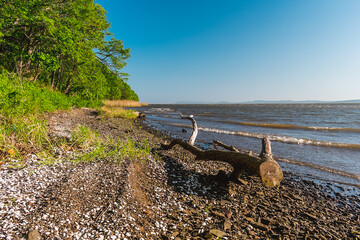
[[169, 196]]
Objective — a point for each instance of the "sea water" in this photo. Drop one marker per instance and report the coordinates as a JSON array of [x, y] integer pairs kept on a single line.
[[317, 140]]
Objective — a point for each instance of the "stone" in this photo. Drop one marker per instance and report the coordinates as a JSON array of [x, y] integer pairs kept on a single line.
[[260, 226], [217, 233], [311, 216], [227, 225], [297, 197], [34, 235], [243, 182], [219, 214]]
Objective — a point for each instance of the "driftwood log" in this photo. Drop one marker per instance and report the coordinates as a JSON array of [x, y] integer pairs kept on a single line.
[[264, 165], [195, 128], [223, 145]]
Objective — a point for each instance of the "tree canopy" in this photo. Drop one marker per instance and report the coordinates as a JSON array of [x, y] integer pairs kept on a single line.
[[64, 44]]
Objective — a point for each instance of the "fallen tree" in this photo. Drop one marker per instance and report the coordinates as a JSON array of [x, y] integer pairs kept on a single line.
[[263, 165]]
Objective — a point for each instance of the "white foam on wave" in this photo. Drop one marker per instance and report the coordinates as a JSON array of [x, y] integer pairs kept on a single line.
[[161, 110], [284, 139]]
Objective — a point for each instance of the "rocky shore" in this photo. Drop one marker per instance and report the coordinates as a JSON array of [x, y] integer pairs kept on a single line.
[[169, 196]]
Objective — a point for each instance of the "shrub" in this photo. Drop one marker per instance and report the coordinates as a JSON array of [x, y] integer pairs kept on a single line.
[[22, 98]]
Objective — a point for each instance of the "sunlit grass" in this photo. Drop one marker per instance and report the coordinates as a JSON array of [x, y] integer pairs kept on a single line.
[[23, 134], [110, 149], [113, 112], [84, 137]]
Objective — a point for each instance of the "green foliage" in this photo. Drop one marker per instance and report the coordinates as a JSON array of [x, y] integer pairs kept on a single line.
[[18, 99], [65, 45]]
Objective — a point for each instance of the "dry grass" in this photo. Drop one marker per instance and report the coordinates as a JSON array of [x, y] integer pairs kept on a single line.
[[118, 112], [123, 103]]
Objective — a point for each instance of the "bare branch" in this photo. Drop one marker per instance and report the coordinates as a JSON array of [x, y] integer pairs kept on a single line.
[[195, 128]]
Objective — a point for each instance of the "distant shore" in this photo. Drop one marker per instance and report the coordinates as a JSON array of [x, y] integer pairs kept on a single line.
[[272, 102]]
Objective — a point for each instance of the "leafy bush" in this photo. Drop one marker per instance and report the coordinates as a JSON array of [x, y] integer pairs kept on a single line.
[[22, 98]]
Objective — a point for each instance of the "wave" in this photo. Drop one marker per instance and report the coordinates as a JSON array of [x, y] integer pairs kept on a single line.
[[288, 140], [292, 126], [276, 138], [322, 168], [284, 139], [160, 110]]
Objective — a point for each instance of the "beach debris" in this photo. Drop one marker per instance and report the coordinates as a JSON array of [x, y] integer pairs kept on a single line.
[[264, 165]]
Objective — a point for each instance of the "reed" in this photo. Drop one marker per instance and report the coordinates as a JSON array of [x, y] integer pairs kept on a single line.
[[123, 103], [118, 112]]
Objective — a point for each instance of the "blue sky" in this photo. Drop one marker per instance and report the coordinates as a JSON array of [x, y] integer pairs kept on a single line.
[[240, 50]]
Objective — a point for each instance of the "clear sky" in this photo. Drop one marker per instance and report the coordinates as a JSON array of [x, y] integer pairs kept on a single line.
[[239, 50]]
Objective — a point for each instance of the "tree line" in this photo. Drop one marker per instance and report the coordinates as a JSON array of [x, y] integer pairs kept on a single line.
[[65, 45]]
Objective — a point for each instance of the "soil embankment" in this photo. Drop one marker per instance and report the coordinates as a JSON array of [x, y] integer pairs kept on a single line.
[[170, 196]]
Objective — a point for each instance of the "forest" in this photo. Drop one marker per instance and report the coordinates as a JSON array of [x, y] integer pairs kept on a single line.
[[60, 46]]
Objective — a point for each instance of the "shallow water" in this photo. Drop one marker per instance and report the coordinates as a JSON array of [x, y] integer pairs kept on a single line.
[[322, 140]]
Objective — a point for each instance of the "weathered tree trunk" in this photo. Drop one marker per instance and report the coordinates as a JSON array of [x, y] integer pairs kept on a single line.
[[58, 79], [195, 128], [68, 84], [265, 167], [53, 79], [37, 72], [36, 76]]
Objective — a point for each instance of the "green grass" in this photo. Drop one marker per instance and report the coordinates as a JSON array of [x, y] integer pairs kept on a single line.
[[19, 99], [83, 137], [21, 103], [116, 150], [23, 134], [23, 98], [23, 131]]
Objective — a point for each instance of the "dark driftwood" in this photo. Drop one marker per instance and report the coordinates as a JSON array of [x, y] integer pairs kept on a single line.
[[266, 148], [265, 166], [223, 145]]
